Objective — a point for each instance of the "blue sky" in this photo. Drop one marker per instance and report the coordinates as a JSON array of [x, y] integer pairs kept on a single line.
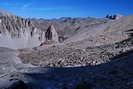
[[66, 8]]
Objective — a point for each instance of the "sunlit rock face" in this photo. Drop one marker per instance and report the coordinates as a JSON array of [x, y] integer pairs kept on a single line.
[[51, 34], [16, 32]]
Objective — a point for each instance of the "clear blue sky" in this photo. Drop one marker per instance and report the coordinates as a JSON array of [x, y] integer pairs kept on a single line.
[[66, 8]]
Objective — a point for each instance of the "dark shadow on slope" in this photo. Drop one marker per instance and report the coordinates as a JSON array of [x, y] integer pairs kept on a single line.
[[112, 75]]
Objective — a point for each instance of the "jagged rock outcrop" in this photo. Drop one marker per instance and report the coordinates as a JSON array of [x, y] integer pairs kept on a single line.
[[51, 34], [17, 32]]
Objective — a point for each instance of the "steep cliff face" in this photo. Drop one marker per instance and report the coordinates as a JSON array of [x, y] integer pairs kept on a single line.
[[16, 32], [51, 34]]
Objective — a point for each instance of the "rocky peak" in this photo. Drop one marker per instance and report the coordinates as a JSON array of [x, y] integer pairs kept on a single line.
[[51, 34], [17, 32]]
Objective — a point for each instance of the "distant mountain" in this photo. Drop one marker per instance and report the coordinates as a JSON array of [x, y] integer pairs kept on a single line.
[[24, 33]]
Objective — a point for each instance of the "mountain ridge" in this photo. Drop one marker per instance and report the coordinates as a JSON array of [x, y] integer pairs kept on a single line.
[[66, 53]]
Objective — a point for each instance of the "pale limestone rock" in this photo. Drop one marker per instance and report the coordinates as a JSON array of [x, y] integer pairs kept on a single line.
[[16, 32]]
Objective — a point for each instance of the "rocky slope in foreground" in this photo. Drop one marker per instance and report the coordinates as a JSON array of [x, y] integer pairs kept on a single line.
[[116, 74]]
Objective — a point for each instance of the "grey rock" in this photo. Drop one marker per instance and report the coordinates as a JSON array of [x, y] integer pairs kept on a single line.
[[51, 34]]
